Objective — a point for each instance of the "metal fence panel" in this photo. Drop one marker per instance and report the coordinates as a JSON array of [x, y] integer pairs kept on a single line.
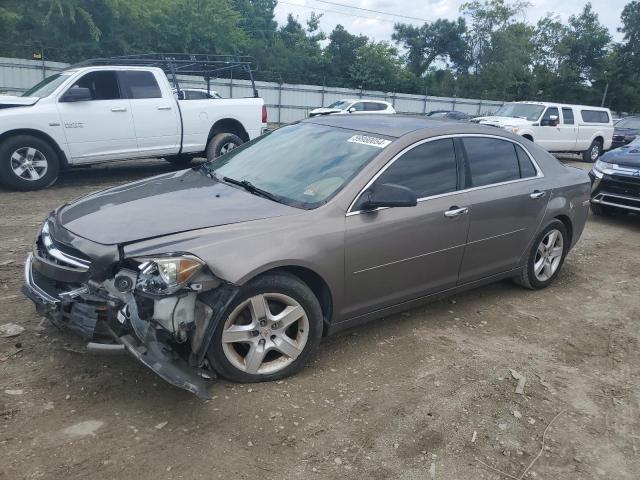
[[285, 102]]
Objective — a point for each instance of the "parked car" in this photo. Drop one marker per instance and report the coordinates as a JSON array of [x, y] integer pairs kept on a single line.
[[243, 264], [196, 94], [625, 131], [557, 128], [105, 113], [347, 105], [615, 180], [448, 115]]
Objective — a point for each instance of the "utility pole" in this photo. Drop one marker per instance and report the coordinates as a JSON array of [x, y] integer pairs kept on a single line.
[[604, 95]]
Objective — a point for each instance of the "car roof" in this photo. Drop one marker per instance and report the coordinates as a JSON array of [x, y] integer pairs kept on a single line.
[[396, 125]]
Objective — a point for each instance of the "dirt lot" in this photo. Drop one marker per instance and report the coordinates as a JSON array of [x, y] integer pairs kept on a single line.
[[423, 395]]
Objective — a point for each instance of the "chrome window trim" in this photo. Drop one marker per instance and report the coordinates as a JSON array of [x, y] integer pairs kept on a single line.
[[539, 173], [65, 258]]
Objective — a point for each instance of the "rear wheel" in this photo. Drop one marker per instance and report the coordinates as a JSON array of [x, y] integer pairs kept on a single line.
[[28, 163], [222, 143], [594, 151], [545, 257], [268, 332]]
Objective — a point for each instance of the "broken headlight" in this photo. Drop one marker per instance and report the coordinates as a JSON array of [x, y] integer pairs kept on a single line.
[[166, 274]]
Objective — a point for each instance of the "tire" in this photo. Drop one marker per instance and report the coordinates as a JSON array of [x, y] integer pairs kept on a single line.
[[35, 156], [528, 277], [593, 153], [235, 358], [221, 143], [601, 210], [180, 160]]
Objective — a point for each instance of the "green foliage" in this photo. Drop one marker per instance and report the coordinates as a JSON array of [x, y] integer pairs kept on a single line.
[[490, 51]]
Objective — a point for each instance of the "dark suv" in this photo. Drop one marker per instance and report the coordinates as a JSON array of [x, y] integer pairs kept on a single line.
[[615, 180], [625, 131]]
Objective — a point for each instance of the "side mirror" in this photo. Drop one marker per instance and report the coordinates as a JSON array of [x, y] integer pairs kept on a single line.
[[77, 94], [388, 195], [351, 110]]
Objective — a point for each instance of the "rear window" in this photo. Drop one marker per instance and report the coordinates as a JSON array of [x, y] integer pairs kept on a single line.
[[142, 85], [594, 116]]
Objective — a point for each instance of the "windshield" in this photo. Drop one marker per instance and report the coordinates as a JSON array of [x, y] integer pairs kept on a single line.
[[303, 165], [629, 123], [46, 86], [340, 105], [520, 110]]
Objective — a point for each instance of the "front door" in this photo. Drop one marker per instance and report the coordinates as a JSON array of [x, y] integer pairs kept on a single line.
[[100, 128], [551, 134], [155, 117], [398, 254], [507, 200]]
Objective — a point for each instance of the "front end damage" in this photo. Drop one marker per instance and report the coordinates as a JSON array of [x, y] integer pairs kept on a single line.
[[161, 309]]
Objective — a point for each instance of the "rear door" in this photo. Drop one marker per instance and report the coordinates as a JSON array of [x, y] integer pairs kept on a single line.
[[569, 128], [507, 200], [155, 117], [100, 128], [397, 254]]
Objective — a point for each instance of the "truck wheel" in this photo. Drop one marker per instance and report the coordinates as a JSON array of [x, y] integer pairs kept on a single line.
[[222, 143], [594, 151], [28, 163], [179, 160]]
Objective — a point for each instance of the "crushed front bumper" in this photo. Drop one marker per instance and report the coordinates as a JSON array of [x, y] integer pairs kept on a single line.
[[75, 297]]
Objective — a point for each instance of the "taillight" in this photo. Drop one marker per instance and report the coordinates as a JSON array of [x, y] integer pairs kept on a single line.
[[264, 114]]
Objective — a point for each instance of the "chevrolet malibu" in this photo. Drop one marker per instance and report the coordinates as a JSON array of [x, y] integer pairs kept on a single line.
[[240, 266]]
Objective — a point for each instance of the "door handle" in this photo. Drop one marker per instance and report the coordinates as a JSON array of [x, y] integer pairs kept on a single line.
[[118, 109], [164, 108], [537, 194], [455, 212]]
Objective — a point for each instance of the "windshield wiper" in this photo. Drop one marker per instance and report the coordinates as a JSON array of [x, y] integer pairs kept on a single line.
[[251, 188]]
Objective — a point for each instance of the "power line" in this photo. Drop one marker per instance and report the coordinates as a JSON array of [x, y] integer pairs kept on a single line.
[[335, 11], [374, 11]]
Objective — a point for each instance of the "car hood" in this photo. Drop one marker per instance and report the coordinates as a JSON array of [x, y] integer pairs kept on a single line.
[[627, 156], [7, 101], [167, 204], [502, 121], [625, 131]]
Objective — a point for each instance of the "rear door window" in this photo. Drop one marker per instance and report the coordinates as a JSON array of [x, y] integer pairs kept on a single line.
[[490, 160], [140, 84], [594, 116], [374, 106], [567, 116], [428, 169]]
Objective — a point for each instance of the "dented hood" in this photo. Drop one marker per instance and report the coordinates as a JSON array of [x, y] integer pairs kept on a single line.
[[167, 204], [7, 101]]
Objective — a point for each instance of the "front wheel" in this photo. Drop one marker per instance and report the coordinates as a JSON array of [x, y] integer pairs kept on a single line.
[[545, 257], [268, 332], [593, 153], [28, 163], [222, 143]]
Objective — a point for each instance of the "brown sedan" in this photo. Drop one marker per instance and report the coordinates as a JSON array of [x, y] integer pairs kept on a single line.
[[240, 266]]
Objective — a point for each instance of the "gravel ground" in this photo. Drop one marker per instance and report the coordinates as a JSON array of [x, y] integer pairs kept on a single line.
[[426, 394]]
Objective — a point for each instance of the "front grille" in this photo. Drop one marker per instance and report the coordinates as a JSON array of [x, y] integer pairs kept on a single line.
[[621, 184], [618, 138]]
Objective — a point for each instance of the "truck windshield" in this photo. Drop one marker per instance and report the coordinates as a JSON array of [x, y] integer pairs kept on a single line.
[[302, 165], [519, 110], [46, 86]]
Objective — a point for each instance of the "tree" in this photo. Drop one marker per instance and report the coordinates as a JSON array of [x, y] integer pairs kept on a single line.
[[377, 66], [340, 53], [441, 39]]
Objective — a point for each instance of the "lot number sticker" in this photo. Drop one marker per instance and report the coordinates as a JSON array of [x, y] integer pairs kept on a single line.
[[371, 141]]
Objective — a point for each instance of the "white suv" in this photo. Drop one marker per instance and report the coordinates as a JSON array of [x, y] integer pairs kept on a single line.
[[349, 105], [557, 127]]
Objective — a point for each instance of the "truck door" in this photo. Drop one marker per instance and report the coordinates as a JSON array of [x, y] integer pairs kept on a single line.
[[155, 117], [569, 129], [550, 135], [100, 127]]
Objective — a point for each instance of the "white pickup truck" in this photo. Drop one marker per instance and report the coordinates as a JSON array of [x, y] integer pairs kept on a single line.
[[107, 113], [556, 127]]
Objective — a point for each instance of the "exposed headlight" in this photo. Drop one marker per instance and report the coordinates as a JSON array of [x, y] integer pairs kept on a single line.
[[166, 274]]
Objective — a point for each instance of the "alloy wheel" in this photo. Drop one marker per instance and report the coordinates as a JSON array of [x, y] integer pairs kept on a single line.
[[595, 152], [29, 164], [227, 147], [265, 333], [548, 255]]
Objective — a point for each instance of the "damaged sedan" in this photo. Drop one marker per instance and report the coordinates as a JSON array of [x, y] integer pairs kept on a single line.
[[239, 266]]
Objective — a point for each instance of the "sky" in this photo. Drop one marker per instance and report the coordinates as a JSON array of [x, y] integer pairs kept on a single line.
[[380, 27]]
